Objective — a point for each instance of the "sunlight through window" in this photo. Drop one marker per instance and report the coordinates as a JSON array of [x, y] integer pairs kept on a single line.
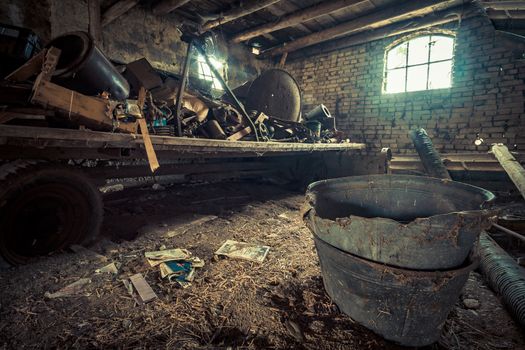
[[205, 72], [422, 63]]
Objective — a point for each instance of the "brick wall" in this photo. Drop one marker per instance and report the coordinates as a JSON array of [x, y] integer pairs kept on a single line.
[[486, 98]]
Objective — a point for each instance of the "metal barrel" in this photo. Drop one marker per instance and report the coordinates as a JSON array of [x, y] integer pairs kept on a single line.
[[84, 68], [406, 221], [405, 306], [504, 276]]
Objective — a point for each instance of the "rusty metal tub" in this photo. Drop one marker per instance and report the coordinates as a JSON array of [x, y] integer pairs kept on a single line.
[[405, 306], [406, 221]]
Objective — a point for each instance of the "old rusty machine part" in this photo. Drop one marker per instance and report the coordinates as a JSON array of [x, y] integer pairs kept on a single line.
[[198, 43], [84, 68], [276, 93]]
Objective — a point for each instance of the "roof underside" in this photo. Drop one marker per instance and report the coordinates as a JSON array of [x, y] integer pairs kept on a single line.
[[506, 15]]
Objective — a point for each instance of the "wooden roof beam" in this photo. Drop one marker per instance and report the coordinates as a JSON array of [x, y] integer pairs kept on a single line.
[[380, 18], [504, 5], [505, 15], [398, 28], [246, 8], [116, 10], [297, 17], [164, 7]]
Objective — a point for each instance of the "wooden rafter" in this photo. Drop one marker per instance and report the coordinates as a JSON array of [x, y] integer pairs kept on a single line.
[[377, 19], [504, 5], [297, 17], [407, 26], [166, 6], [504, 15], [246, 8], [116, 10]]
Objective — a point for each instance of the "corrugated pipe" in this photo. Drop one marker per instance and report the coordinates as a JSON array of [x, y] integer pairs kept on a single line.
[[504, 275]]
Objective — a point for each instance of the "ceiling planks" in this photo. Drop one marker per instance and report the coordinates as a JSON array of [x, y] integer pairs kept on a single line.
[[377, 19]]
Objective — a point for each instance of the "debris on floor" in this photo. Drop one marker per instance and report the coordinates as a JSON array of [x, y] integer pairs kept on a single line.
[[109, 268], [143, 289], [245, 251], [73, 289], [158, 257], [237, 305]]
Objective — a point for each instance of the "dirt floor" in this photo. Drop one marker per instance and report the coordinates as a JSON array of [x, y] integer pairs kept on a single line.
[[280, 303]]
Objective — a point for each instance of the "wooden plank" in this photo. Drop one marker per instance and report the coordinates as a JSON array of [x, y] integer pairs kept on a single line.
[[300, 16], [94, 27], [92, 111], [146, 294], [378, 19], [28, 69], [513, 168], [152, 157], [164, 7], [244, 9], [240, 134], [97, 139], [50, 63], [150, 152], [116, 10]]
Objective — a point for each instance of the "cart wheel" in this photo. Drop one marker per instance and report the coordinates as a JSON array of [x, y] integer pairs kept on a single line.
[[44, 208]]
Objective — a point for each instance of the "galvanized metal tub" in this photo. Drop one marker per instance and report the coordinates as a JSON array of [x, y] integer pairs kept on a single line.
[[405, 306], [406, 221]]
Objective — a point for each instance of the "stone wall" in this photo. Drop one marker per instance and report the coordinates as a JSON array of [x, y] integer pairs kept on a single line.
[[136, 34], [486, 98]]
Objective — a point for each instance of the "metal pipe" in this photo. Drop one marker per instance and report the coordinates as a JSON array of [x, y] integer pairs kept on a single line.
[[182, 87], [230, 93], [509, 232]]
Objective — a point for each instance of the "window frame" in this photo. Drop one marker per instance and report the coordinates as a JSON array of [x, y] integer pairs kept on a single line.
[[202, 74], [427, 63]]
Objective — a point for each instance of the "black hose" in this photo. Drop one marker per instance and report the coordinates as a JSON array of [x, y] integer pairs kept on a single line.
[[504, 275], [429, 156]]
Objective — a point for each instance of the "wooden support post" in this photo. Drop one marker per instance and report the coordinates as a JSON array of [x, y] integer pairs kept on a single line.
[[182, 87], [511, 166], [297, 17], [244, 9], [95, 27], [378, 19], [166, 6], [116, 10]]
